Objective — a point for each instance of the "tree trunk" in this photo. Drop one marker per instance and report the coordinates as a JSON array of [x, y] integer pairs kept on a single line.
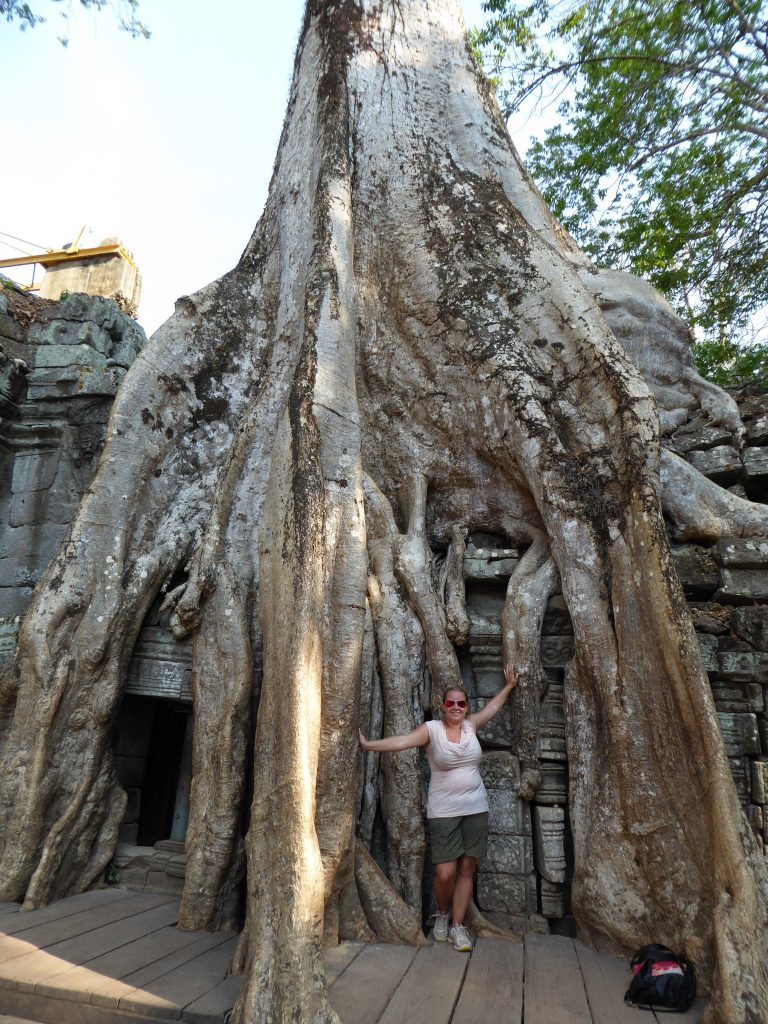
[[410, 348]]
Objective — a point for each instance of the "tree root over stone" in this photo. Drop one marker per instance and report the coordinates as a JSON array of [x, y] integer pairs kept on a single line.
[[408, 333]]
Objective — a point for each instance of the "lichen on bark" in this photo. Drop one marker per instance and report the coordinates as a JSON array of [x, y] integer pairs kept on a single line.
[[410, 349]]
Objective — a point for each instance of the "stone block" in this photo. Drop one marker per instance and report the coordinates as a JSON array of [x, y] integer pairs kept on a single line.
[[161, 666], [757, 431], [177, 866], [9, 630], [696, 568], [134, 876], [744, 697], [161, 882], [486, 668], [510, 855], [702, 439], [556, 651], [708, 646], [485, 604], [14, 601], [497, 732], [721, 464], [128, 833], [751, 624], [734, 553], [552, 898], [742, 666], [29, 508], [81, 355], [549, 842], [711, 618], [500, 770], [756, 463], [10, 328], [742, 586], [740, 770], [740, 734], [556, 618], [552, 724], [759, 780], [507, 894], [507, 814], [35, 472], [485, 564], [553, 788], [762, 725], [756, 819]]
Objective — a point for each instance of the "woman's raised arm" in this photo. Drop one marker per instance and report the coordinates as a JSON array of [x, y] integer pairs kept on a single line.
[[495, 703], [418, 738]]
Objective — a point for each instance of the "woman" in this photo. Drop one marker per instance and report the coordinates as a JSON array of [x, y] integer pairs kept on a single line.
[[457, 807]]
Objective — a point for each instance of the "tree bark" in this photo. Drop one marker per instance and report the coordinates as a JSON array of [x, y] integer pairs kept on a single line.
[[410, 348]]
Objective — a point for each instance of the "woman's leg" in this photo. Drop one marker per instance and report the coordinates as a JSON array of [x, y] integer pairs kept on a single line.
[[462, 889], [444, 884]]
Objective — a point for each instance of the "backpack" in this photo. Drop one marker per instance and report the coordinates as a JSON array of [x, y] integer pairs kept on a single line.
[[662, 980]]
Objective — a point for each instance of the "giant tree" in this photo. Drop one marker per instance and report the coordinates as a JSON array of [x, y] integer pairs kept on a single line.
[[410, 347]]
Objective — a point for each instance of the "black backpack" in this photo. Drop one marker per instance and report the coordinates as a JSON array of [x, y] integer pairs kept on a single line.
[[662, 980]]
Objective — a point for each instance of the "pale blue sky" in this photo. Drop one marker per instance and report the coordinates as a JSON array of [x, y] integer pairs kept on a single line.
[[167, 143]]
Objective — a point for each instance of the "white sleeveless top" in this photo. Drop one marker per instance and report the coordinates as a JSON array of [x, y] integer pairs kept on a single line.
[[455, 787]]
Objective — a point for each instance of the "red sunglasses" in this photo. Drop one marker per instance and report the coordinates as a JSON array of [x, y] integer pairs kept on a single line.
[[454, 703]]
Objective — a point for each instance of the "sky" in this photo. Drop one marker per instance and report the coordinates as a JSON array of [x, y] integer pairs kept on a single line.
[[166, 143]]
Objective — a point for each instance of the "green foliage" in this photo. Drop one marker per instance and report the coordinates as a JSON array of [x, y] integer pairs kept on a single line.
[[659, 163], [731, 365], [125, 11]]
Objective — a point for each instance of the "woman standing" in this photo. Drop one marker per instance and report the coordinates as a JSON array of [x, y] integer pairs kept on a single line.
[[457, 806]]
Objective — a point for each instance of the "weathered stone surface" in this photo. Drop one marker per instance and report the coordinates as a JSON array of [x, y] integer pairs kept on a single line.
[[743, 666], [511, 855], [553, 787], [742, 586], [8, 632], [740, 734], [739, 698], [14, 600], [552, 898], [756, 819], [756, 463], [751, 553], [500, 770], [509, 894], [711, 618], [556, 651], [487, 668], [556, 618], [740, 770], [485, 564], [721, 464], [549, 842], [708, 647], [507, 814], [497, 732], [552, 724], [751, 624], [701, 439], [161, 666], [759, 780], [757, 431], [696, 568]]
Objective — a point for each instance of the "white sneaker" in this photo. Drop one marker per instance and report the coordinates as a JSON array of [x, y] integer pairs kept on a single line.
[[459, 936], [440, 927]]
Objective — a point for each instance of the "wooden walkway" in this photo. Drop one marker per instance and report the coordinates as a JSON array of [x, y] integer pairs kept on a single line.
[[114, 957]]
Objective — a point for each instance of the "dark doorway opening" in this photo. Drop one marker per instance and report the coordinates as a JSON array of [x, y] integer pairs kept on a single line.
[[161, 773]]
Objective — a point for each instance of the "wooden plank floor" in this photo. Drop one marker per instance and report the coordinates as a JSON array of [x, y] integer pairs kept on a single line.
[[114, 957]]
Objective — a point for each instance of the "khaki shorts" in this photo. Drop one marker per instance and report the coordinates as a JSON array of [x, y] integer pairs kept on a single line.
[[464, 836]]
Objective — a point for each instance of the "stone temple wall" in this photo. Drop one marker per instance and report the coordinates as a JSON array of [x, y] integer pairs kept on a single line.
[[525, 878], [60, 366]]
